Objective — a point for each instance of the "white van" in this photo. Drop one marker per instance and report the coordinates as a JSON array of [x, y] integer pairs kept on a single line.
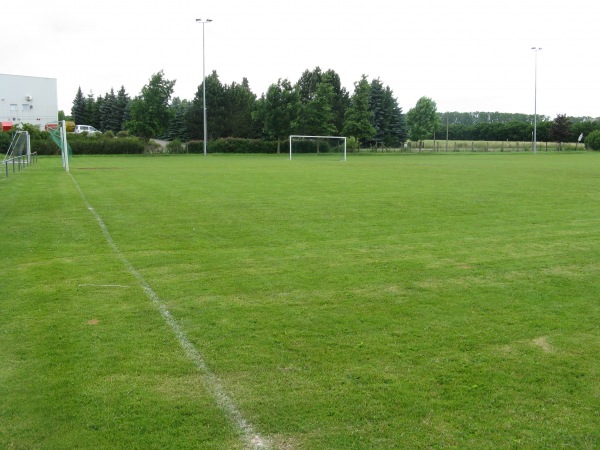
[[87, 128]]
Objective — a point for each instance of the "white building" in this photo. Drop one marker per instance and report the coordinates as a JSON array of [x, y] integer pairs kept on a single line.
[[24, 99]]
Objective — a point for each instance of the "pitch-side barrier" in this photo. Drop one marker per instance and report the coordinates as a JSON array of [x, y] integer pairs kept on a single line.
[[19, 162]]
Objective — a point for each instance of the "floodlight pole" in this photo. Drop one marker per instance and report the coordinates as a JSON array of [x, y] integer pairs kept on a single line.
[[536, 49], [203, 81]]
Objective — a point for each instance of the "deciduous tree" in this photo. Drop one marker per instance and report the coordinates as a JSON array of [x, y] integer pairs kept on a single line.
[[317, 118], [240, 104], [560, 130], [278, 111], [150, 114], [422, 119]]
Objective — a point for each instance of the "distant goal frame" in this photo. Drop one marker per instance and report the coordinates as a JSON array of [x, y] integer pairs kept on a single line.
[[292, 136]]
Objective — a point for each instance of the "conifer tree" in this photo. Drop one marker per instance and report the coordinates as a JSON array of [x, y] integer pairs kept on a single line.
[[122, 108], [358, 119], [79, 109]]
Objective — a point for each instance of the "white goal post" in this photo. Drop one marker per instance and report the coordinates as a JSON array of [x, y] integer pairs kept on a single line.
[[298, 136], [19, 151], [58, 133]]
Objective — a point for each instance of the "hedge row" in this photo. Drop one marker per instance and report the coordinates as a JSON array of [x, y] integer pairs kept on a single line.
[[96, 145], [44, 147], [108, 146], [233, 145]]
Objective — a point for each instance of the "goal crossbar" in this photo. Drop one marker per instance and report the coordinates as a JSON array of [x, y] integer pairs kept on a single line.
[[317, 137]]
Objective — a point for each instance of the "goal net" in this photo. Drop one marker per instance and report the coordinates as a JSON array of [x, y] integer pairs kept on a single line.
[[18, 154], [20, 147], [320, 145], [58, 134]]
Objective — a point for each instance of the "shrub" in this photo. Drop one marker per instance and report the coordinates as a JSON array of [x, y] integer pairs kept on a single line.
[[44, 147], [311, 146], [5, 139], [81, 144], [233, 145], [105, 146], [175, 146], [352, 144], [236, 145], [195, 147], [123, 134], [592, 141], [34, 131], [151, 146]]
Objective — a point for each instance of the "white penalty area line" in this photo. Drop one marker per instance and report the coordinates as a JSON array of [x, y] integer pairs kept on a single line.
[[211, 381], [104, 285]]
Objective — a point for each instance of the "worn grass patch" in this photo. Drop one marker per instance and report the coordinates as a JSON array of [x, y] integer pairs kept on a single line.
[[408, 301]]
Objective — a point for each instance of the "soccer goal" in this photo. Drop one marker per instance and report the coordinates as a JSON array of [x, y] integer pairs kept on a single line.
[[318, 145], [19, 153], [58, 133]]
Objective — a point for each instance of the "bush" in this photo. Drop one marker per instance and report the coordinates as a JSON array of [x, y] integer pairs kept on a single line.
[[5, 139], [592, 141], [80, 144], [175, 146], [236, 145], [195, 147], [44, 147], [233, 145], [105, 146], [352, 144], [152, 147]]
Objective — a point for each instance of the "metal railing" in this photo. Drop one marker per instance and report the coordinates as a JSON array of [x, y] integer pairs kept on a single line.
[[19, 162]]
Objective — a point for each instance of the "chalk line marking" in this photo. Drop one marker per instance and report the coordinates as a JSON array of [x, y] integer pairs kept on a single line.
[[211, 381], [104, 285]]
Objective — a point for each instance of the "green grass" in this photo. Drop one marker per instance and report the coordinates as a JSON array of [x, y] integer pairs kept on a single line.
[[390, 301]]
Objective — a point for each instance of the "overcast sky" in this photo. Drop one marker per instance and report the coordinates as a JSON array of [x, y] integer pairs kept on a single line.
[[467, 55]]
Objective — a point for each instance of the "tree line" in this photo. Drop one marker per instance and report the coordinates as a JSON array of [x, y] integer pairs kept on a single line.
[[481, 126], [316, 104]]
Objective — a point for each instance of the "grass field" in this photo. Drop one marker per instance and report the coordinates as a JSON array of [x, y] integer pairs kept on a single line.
[[389, 301]]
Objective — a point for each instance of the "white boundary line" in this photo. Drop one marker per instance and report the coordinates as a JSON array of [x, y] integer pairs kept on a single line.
[[103, 285], [211, 381]]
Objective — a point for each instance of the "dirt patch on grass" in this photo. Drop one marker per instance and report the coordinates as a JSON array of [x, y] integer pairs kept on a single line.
[[93, 322], [285, 442], [542, 342]]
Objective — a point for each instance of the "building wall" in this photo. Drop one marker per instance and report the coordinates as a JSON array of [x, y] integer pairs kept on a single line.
[[24, 99]]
